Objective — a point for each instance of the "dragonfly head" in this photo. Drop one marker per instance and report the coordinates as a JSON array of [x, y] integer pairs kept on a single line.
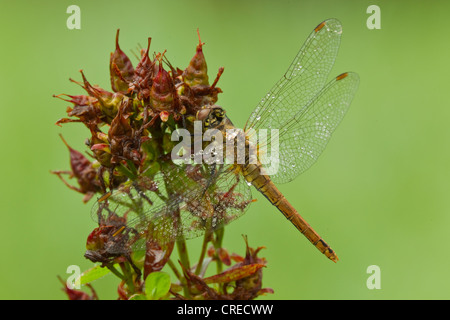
[[212, 117]]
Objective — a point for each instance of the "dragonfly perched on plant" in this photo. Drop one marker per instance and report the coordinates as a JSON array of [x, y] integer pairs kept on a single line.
[[185, 200]]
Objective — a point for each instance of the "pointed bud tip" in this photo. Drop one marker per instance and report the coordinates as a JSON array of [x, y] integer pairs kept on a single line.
[[148, 44], [65, 142], [117, 40], [200, 43]]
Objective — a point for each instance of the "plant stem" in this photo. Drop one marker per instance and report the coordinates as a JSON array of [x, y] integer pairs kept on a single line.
[[184, 259], [183, 254], [115, 272], [206, 239], [128, 275], [217, 242], [175, 270]]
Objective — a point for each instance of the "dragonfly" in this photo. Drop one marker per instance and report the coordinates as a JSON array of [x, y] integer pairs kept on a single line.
[[183, 201]]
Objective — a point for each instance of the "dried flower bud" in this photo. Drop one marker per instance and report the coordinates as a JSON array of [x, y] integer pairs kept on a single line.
[[83, 171], [109, 241], [121, 137], [164, 115], [162, 92], [144, 73], [251, 286], [86, 108], [156, 255], [130, 139], [101, 150], [221, 254], [196, 74], [121, 69], [73, 294]]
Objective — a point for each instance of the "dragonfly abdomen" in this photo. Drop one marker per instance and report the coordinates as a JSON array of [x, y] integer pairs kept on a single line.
[[265, 185]]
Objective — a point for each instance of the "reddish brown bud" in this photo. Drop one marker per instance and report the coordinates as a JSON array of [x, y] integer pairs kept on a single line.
[[156, 255], [164, 115], [120, 126], [94, 91], [196, 74], [109, 102], [162, 92], [121, 138], [83, 171], [121, 68], [110, 241], [250, 287], [73, 294], [98, 237], [143, 75], [224, 256], [80, 100], [99, 148], [221, 254], [85, 108]]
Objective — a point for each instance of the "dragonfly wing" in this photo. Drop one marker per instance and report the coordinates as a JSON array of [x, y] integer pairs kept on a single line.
[[213, 196], [304, 78], [303, 138], [225, 198], [188, 201]]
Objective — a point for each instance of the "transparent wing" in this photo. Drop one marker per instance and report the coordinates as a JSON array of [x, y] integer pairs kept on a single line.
[[303, 138], [182, 201], [305, 77]]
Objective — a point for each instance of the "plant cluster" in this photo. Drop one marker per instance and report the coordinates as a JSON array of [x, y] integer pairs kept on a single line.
[[129, 147]]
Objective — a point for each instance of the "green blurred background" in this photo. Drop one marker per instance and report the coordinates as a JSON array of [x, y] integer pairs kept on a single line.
[[378, 195]]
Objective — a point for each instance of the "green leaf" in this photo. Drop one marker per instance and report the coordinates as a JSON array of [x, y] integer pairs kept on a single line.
[[126, 172], [132, 167], [157, 285], [92, 274]]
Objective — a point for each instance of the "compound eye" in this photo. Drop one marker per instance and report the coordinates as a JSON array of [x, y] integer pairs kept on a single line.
[[203, 114], [219, 113]]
